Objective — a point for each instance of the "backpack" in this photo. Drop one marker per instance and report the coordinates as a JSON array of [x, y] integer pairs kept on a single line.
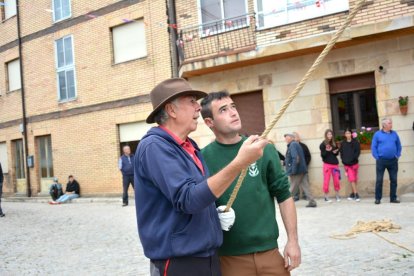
[[55, 191]]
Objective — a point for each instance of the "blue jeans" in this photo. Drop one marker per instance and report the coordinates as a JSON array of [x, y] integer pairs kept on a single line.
[[126, 180], [392, 166], [65, 197]]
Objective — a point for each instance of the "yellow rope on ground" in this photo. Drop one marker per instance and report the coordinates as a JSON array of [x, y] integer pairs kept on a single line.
[[374, 227], [295, 92]]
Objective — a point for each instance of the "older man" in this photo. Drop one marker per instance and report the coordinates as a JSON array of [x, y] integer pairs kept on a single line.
[[386, 149], [177, 219], [126, 166]]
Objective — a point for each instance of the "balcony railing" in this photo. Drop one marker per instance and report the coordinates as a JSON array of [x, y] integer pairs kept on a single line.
[[218, 38]]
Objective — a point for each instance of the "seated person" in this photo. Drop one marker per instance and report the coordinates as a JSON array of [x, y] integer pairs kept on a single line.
[[72, 191], [55, 190]]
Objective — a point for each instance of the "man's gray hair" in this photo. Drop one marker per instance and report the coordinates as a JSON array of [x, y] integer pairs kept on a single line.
[[384, 120], [161, 117]]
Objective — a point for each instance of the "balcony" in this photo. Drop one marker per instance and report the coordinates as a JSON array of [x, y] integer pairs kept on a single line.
[[218, 38]]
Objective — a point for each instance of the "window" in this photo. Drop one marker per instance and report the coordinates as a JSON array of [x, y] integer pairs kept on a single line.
[[353, 103], [13, 75], [19, 159], [65, 69], [273, 13], [213, 14], [44, 144], [9, 9], [61, 9], [129, 41]]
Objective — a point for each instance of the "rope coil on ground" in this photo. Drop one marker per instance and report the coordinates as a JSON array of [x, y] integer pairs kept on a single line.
[[374, 227], [295, 92]]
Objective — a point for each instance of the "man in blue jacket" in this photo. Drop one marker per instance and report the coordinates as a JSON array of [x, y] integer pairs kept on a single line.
[[296, 168], [175, 198], [126, 166], [386, 149]]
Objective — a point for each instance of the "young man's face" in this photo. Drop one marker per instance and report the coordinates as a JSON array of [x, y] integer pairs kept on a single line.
[[225, 119]]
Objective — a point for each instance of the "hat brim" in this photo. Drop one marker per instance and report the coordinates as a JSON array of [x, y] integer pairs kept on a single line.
[[198, 94]]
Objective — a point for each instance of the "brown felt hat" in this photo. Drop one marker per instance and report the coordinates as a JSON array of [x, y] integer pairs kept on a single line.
[[167, 91]]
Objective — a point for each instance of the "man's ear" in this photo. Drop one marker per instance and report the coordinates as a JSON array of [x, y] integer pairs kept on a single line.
[[209, 122], [169, 108]]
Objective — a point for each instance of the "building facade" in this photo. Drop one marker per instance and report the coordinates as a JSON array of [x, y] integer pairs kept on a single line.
[[259, 50], [74, 83]]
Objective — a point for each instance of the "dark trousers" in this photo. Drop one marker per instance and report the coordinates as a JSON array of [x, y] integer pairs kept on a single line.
[[392, 167], [1, 193], [186, 266], [126, 180]]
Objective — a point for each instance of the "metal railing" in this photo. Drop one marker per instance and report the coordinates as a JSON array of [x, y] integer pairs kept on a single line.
[[218, 38]]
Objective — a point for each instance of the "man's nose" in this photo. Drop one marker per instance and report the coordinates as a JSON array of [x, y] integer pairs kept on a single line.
[[197, 106]]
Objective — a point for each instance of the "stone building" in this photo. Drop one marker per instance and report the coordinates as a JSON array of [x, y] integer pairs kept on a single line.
[[74, 81], [259, 50]]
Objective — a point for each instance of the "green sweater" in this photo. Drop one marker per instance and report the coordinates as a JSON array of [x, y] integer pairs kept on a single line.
[[255, 228]]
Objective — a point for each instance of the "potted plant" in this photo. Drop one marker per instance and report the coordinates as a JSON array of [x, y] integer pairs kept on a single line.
[[403, 103], [364, 137]]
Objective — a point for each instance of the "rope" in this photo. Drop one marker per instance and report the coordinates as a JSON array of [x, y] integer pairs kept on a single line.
[[295, 92], [373, 227]]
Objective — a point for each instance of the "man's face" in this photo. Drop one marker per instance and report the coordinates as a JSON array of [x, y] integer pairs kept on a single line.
[[288, 139], [70, 179], [226, 119], [388, 125], [127, 150], [187, 111]]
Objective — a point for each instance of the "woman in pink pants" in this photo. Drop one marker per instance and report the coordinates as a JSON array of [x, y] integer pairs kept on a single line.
[[329, 151]]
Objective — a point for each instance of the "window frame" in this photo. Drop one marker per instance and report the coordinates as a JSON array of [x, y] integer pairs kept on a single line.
[[260, 13], [223, 19], [8, 89], [65, 69], [62, 18], [140, 56]]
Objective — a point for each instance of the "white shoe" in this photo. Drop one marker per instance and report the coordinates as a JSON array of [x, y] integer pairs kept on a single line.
[[338, 198], [327, 200]]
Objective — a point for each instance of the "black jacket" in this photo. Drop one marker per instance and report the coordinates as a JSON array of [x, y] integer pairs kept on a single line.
[[328, 156], [1, 174], [73, 187], [350, 152], [306, 152]]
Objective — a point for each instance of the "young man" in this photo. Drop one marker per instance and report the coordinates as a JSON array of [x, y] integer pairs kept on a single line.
[[250, 247], [126, 166], [386, 149], [178, 224]]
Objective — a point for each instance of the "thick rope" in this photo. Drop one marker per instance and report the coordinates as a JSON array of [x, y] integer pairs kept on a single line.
[[295, 92], [373, 227]]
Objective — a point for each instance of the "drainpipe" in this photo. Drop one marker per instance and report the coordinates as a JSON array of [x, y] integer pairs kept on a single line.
[[24, 119], [172, 21]]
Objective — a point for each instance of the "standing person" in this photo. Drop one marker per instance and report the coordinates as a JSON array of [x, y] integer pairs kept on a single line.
[[178, 223], [350, 151], [386, 149], [1, 190], [126, 166], [308, 158], [250, 247], [329, 152], [296, 168], [72, 191]]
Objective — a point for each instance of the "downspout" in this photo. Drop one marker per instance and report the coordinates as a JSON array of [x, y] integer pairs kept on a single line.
[[24, 119], [172, 29]]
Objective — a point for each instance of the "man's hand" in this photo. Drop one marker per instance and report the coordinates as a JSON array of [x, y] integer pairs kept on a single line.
[[251, 150], [292, 255], [226, 218]]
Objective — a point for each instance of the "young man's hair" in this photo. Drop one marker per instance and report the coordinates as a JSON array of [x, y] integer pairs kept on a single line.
[[206, 102]]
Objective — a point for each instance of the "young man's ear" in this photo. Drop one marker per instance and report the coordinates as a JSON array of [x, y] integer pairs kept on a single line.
[[209, 122]]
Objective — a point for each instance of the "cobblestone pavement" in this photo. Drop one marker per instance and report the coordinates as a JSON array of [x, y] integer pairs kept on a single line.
[[100, 238]]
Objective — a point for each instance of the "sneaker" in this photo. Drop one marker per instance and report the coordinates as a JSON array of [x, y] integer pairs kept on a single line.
[[357, 199], [327, 200], [352, 196], [311, 203], [338, 198], [2, 215]]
